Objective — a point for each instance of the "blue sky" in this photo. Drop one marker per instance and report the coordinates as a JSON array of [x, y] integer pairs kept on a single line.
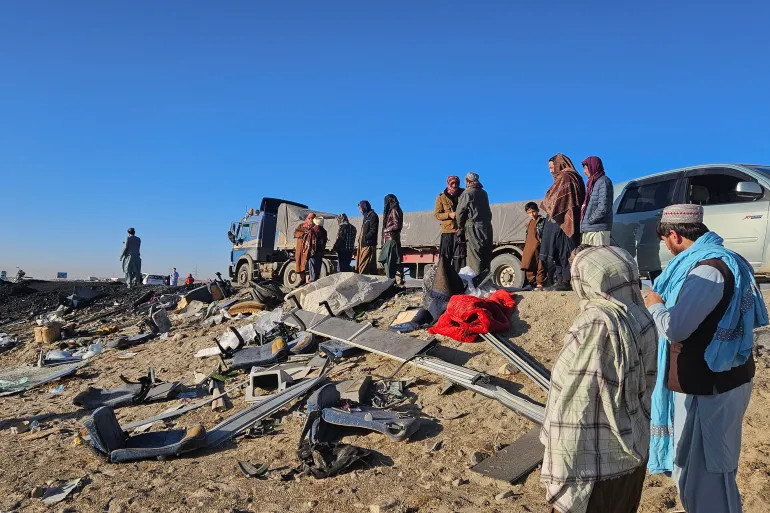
[[174, 117]]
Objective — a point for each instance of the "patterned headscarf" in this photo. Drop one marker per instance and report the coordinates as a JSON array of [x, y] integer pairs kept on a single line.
[[342, 219], [565, 197], [453, 185], [308, 223]]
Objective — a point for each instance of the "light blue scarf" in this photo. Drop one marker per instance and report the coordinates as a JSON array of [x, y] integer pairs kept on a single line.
[[730, 347]]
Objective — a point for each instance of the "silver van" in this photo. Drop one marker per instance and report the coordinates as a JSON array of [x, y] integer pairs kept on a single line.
[[736, 205]]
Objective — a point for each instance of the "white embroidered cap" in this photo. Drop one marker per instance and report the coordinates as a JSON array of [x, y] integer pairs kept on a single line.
[[682, 214]]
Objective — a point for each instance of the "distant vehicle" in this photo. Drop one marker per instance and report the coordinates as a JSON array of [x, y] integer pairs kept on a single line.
[[154, 279], [736, 205]]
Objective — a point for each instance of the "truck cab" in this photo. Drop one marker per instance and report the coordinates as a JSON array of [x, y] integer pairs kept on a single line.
[[254, 253], [736, 205]]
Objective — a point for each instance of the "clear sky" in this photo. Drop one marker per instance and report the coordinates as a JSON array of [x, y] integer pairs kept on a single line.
[[174, 117]]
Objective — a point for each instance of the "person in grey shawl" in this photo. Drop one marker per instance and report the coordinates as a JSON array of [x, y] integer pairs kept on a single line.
[[474, 222], [132, 262]]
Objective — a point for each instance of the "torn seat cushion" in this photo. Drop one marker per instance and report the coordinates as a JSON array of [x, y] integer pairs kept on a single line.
[[260, 356], [393, 424], [467, 317], [130, 393], [108, 438]]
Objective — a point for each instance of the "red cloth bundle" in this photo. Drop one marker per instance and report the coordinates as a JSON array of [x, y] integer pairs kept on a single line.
[[466, 316]]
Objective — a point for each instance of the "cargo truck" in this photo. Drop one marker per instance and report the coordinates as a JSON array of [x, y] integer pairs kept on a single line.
[[263, 243]]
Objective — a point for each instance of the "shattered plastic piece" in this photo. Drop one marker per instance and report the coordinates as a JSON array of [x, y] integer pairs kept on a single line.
[[84, 296], [303, 343], [246, 307], [57, 390], [18, 379], [267, 321], [59, 493], [327, 460], [161, 320], [250, 470]]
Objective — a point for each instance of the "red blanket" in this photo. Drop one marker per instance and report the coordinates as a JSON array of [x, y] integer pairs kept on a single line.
[[466, 316]]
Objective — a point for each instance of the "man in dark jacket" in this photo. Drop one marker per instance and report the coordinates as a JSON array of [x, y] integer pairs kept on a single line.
[[367, 240], [345, 243], [132, 262], [596, 213], [474, 222]]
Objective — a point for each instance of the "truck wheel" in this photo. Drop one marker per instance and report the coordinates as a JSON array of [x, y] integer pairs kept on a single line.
[[506, 271], [290, 276], [244, 275]]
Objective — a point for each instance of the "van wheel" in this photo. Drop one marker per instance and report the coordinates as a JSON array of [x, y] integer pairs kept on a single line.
[[506, 271], [290, 276], [244, 274]]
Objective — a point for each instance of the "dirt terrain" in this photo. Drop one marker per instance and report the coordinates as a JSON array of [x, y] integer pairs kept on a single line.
[[401, 476]]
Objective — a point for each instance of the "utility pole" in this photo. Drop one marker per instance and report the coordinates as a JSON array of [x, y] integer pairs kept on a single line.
[[195, 272]]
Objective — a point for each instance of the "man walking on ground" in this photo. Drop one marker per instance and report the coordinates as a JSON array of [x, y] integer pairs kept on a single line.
[[530, 260], [174, 278], [596, 212], [596, 431], [445, 212], [366, 262], [474, 223], [706, 305], [132, 262], [345, 243]]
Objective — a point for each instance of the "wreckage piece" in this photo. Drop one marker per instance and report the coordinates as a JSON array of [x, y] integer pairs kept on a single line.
[[244, 419], [341, 292], [303, 343], [337, 349], [84, 296], [108, 438], [512, 463], [160, 318], [131, 341], [527, 365], [395, 425], [354, 389], [246, 307], [272, 379], [177, 413], [18, 379], [128, 394], [260, 356], [392, 345]]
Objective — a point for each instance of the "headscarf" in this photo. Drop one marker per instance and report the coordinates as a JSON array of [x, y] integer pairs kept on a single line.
[[391, 205], [365, 206], [472, 180], [453, 190], [308, 223], [597, 421], [595, 171], [566, 195], [342, 219], [391, 202], [318, 221]]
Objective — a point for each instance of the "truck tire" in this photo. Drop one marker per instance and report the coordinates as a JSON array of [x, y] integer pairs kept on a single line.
[[244, 275], [506, 271], [290, 276]]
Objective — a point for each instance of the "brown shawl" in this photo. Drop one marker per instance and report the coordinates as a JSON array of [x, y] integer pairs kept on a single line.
[[564, 198]]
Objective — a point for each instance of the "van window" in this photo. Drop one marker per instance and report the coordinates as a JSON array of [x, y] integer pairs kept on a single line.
[[647, 197], [715, 189]]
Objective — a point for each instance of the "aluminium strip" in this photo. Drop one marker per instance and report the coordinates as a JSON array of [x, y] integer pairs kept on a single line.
[[520, 361]]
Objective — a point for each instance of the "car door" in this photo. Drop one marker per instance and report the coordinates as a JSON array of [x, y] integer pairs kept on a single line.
[[638, 210], [741, 221]]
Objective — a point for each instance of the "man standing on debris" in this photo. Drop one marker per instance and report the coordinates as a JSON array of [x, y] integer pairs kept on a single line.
[[315, 246], [561, 233], [367, 240], [300, 258], [174, 278], [132, 262], [530, 259], [474, 224], [345, 243], [596, 212], [392, 223], [706, 305], [596, 431], [445, 211]]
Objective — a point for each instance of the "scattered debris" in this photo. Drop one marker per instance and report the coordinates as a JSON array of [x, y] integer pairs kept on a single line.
[[250, 470], [57, 494]]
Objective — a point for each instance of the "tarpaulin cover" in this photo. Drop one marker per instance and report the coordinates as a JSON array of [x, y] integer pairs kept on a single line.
[[467, 317], [421, 229], [342, 290]]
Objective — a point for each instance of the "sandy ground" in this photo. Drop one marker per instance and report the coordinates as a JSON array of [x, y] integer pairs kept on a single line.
[[404, 476]]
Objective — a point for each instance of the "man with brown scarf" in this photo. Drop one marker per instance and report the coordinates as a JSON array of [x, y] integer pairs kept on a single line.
[[445, 212], [300, 257], [561, 234]]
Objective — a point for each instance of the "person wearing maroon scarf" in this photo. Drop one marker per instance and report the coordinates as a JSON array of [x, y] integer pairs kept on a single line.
[[596, 212], [445, 212]]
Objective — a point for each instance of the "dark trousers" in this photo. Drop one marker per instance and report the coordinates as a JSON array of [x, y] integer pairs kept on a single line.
[[314, 266], [620, 495], [343, 259], [448, 250], [555, 250]]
